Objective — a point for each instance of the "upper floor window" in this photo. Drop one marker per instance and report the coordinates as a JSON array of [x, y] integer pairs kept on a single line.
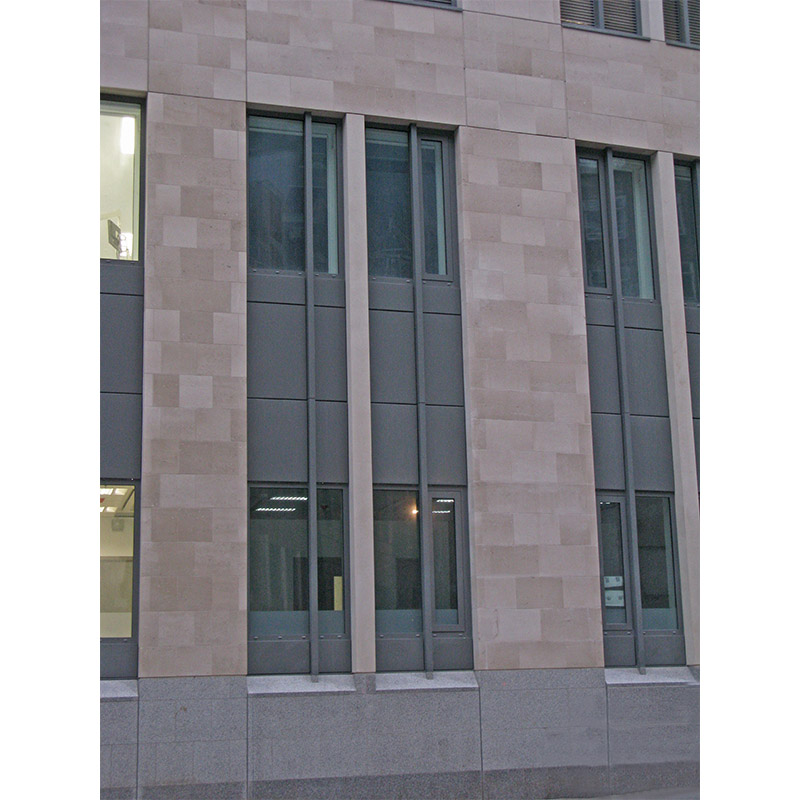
[[117, 533], [619, 16], [120, 183], [682, 21], [617, 234], [405, 168], [686, 194], [292, 179]]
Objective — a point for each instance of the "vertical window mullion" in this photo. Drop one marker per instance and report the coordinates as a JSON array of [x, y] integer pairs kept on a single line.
[[683, 6], [599, 14], [313, 569]]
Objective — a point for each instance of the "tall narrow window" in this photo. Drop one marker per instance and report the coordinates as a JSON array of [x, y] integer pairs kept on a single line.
[[120, 157], [686, 196], [117, 533], [656, 563], [592, 223]]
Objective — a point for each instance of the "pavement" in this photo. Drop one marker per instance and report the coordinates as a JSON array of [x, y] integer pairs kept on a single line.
[[656, 794]]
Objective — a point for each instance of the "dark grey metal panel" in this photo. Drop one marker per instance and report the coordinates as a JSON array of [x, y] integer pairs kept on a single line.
[[599, 309], [452, 652], [394, 444], [121, 336], [608, 464], [652, 454], [276, 351], [398, 655], [334, 655], [444, 369], [276, 440], [642, 314], [441, 297], [447, 450], [120, 435], [603, 376], [121, 278], [391, 295], [619, 649], [276, 287], [328, 291], [693, 319], [278, 657], [647, 372], [663, 648], [693, 346], [330, 363], [331, 442], [118, 659], [391, 359]]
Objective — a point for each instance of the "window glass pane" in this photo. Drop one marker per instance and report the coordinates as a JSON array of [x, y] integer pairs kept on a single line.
[[398, 586], [445, 570], [116, 560], [388, 204], [278, 561], [614, 608], [330, 560], [656, 571], [120, 134], [633, 228], [433, 207], [323, 179], [275, 218], [592, 223], [687, 230]]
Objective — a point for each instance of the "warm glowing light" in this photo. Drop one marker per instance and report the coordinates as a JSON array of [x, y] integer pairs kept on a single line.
[[415, 511], [127, 136], [106, 490]]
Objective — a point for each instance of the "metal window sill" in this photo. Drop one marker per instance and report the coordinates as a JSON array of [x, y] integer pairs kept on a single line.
[[121, 689], [299, 684], [627, 676], [571, 26], [456, 680]]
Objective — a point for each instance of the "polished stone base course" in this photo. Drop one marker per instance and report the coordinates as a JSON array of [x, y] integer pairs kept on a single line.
[[527, 784], [641, 777], [441, 786], [197, 791]]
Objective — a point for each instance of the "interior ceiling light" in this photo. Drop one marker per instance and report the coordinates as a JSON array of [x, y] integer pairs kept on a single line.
[[111, 509], [269, 508], [120, 490], [288, 497], [415, 511], [127, 136], [445, 500], [443, 511], [106, 490]]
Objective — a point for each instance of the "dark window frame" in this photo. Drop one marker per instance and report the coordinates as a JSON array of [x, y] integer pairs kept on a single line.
[[308, 119], [684, 23], [599, 26], [119, 656], [141, 103], [450, 5], [694, 166], [446, 138]]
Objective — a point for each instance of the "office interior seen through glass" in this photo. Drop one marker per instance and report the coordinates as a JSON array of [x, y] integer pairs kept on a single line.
[[120, 127], [116, 560], [688, 200]]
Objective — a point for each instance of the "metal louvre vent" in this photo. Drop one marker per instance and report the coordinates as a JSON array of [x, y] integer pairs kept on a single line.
[[578, 12], [694, 22], [620, 15], [672, 20]]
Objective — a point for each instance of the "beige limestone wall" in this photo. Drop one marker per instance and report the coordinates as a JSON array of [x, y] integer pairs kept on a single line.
[[194, 468], [123, 45]]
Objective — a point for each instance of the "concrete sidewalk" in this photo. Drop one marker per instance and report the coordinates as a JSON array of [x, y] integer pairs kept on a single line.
[[655, 794]]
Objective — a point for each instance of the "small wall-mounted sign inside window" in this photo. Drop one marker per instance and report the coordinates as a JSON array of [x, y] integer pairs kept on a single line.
[[615, 598], [114, 232], [611, 581]]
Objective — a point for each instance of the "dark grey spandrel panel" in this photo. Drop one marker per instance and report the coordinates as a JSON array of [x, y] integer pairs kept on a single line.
[[647, 372], [328, 291], [619, 650], [692, 319], [331, 442], [652, 454], [334, 655], [277, 440], [609, 468], [394, 444], [444, 368], [664, 648], [398, 655], [642, 314], [599, 309], [693, 346], [120, 435], [391, 357], [277, 287], [276, 351], [451, 652], [118, 659], [121, 278], [391, 295], [447, 449], [278, 657], [441, 297], [121, 337], [331, 346], [603, 377]]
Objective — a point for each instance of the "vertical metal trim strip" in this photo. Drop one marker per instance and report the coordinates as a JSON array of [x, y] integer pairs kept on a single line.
[[426, 545], [627, 442], [313, 600]]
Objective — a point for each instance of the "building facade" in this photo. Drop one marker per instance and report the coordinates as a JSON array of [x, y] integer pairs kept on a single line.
[[399, 398]]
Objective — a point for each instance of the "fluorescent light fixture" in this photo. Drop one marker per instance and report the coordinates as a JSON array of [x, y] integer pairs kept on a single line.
[[110, 509], [445, 511], [269, 508], [127, 136], [288, 497], [106, 490], [445, 500], [120, 490]]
